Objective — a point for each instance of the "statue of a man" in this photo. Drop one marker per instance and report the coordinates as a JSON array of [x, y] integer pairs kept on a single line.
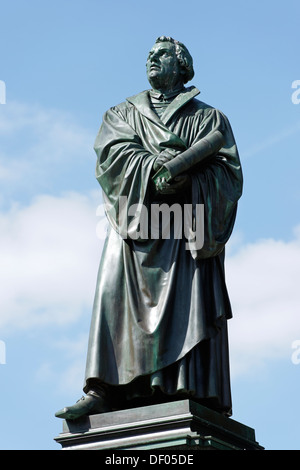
[[159, 324]]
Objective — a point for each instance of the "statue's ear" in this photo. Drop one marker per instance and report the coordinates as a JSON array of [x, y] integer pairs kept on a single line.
[[183, 74]]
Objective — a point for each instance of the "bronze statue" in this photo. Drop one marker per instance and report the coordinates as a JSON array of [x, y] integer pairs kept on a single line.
[[159, 323]]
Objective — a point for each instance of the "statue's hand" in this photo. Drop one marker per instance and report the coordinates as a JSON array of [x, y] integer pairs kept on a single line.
[[178, 184]]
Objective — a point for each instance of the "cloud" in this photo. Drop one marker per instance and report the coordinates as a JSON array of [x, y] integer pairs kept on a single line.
[[48, 244], [49, 256], [263, 282], [49, 232], [66, 366], [42, 150]]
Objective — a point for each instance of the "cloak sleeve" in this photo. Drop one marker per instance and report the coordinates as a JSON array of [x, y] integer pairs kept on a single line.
[[217, 185], [123, 169]]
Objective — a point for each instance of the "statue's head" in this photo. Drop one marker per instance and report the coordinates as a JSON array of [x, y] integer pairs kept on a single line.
[[169, 64]]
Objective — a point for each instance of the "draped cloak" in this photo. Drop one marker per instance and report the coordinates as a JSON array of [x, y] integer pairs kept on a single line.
[[160, 309]]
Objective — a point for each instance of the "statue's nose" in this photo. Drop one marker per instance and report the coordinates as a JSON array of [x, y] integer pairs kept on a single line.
[[154, 57]]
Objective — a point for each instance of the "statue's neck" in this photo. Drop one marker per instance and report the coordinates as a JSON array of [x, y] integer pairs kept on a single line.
[[166, 86]]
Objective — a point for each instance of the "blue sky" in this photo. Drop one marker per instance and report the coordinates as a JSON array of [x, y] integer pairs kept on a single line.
[[64, 63]]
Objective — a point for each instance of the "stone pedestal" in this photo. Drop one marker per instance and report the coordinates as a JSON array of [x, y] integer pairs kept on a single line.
[[180, 425]]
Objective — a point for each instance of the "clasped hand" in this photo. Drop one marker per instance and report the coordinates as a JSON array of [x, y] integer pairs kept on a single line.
[[177, 184]]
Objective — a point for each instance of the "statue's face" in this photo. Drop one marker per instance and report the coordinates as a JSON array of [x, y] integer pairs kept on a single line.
[[163, 69]]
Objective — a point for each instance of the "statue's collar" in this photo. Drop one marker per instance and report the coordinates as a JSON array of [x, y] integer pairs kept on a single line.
[[142, 102], [166, 96]]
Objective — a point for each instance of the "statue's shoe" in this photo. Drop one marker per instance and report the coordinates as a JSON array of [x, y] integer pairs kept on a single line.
[[87, 405]]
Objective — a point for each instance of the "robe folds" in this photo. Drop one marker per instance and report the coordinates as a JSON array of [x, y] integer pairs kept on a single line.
[[161, 309]]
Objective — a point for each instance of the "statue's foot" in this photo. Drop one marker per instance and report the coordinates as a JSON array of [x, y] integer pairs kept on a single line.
[[87, 405]]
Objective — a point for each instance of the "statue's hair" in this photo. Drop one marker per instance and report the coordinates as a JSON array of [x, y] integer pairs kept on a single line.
[[184, 57]]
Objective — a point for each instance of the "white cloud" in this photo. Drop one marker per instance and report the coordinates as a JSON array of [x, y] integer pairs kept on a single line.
[[263, 281], [72, 355], [39, 145], [48, 246], [49, 255], [49, 249]]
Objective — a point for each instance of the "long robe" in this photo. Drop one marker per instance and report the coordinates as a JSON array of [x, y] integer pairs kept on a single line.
[[160, 310]]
